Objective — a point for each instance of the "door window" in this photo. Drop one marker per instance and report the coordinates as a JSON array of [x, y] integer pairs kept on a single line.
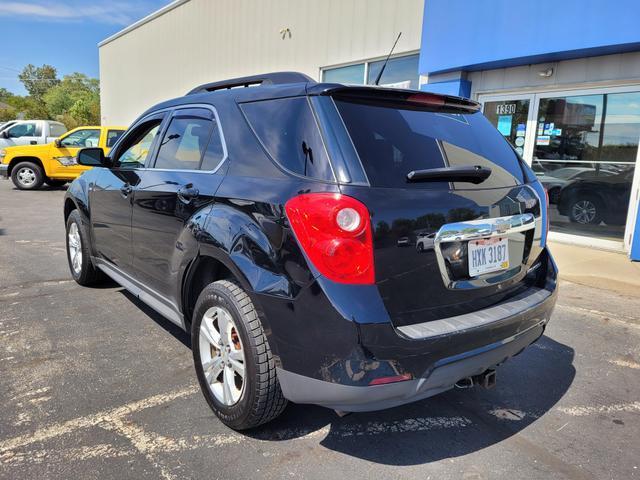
[[82, 139], [136, 146], [510, 118], [57, 129], [24, 130], [584, 154], [185, 139]]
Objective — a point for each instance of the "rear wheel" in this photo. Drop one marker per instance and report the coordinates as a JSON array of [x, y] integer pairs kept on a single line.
[[232, 358], [586, 210], [79, 253], [27, 176]]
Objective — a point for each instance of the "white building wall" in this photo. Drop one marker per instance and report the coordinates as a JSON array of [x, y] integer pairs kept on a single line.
[[201, 41]]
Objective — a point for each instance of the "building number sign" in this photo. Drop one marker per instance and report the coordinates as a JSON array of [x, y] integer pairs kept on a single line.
[[506, 109]]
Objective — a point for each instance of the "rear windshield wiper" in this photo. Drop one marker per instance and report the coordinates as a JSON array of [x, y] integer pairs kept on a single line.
[[471, 174]]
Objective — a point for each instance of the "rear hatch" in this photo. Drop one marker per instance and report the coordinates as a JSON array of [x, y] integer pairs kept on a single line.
[[480, 236]]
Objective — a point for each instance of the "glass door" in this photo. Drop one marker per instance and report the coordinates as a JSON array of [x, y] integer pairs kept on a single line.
[[512, 116], [584, 153]]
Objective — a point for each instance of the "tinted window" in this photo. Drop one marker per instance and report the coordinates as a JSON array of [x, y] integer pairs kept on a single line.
[[57, 129], [82, 138], [185, 140], [136, 146], [288, 131], [391, 142], [113, 136], [215, 150]]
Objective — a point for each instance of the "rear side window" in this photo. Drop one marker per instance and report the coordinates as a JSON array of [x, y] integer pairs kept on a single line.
[[289, 133], [113, 136], [392, 141], [185, 140], [57, 129]]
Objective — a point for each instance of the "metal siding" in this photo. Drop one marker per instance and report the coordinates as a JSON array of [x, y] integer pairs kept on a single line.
[[204, 40]]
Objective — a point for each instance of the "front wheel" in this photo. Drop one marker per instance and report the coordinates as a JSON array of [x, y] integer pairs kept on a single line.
[[27, 176], [232, 358]]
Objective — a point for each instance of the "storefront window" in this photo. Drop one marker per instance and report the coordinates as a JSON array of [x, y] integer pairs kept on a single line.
[[584, 154], [400, 72], [353, 74]]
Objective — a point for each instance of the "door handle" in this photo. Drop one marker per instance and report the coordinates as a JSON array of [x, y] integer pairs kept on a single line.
[[126, 190], [187, 193]]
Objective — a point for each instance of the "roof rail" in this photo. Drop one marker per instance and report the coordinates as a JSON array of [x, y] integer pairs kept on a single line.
[[275, 78]]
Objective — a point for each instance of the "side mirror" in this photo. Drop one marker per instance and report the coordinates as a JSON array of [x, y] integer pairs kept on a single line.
[[5, 133], [93, 157], [57, 142]]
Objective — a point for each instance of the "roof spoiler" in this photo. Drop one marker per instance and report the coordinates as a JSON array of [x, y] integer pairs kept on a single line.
[[275, 78], [411, 98]]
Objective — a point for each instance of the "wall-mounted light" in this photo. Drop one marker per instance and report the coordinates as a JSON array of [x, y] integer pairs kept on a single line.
[[545, 73], [284, 32]]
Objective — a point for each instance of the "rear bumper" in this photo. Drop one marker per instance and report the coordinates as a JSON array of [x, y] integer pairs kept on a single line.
[[4, 170], [441, 377]]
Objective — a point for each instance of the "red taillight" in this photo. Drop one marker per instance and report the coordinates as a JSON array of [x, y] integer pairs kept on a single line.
[[427, 99], [335, 232], [396, 378]]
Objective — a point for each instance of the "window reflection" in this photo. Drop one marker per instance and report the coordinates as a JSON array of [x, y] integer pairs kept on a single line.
[[584, 154]]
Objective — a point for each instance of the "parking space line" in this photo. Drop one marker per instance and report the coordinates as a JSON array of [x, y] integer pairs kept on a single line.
[[582, 411]]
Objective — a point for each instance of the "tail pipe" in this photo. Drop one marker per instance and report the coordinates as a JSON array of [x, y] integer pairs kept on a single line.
[[486, 379]]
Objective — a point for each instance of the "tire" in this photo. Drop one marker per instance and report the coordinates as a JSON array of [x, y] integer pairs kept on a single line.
[[254, 398], [55, 183], [420, 247], [27, 176], [586, 210], [79, 252]]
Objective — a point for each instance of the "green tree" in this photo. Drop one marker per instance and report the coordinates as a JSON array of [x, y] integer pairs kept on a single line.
[[38, 80], [75, 100]]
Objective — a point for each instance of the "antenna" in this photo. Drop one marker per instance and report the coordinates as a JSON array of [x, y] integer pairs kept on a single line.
[[385, 62]]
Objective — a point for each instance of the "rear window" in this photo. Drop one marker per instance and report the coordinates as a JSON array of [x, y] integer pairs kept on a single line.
[[393, 141], [289, 133]]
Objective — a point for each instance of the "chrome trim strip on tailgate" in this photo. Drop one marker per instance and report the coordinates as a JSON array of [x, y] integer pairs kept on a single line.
[[518, 304], [477, 229]]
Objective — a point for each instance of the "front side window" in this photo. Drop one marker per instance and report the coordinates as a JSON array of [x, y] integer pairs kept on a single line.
[[137, 146], [23, 130], [289, 133], [185, 139], [82, 139], [113, 136]]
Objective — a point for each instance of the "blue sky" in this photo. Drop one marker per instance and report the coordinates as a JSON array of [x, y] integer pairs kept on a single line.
[[62, 33]]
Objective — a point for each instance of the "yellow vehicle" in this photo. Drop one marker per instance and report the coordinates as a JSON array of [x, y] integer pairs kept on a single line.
[[29, 166]]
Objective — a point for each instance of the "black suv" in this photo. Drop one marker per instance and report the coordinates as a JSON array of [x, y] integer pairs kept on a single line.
[[265, 222]]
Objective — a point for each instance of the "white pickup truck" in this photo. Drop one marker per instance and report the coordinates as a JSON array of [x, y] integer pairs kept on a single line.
[[31, 132]]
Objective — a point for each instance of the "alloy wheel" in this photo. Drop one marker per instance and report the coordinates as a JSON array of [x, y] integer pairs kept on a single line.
[[74, 243], [26, 176], [584, 211], [222, 355]]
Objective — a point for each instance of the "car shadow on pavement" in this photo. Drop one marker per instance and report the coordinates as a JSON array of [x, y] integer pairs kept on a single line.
[[448, 425], [452, 424], [182, 336]]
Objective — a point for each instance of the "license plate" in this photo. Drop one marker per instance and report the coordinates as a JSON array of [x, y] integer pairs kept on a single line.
[[488, 255]]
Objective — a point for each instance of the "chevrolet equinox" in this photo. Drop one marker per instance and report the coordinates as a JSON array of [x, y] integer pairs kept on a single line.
[[264, 214]]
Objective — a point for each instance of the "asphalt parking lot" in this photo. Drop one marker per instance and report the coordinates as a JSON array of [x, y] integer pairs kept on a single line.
[[95, 385]]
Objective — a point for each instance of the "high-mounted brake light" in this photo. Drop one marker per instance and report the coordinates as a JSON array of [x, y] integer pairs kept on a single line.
[[334, 230], [426, 99]]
